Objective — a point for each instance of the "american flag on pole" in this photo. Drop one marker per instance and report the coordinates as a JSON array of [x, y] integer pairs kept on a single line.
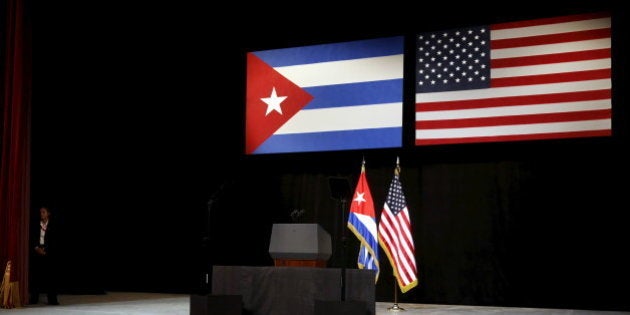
[[394, 235], [538, 79], [362, 222]]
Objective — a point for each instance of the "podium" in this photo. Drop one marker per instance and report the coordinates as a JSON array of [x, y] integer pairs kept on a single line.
[[299, 245]]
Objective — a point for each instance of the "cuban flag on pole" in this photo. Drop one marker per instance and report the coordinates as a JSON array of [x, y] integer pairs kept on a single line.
[[362, 222], [328, 97]]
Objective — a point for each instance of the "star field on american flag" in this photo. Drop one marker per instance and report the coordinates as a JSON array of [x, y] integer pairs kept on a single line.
[[395, 197], [453, 60]]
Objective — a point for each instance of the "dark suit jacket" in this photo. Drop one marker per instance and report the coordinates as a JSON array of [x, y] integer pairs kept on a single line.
[[50, 238]]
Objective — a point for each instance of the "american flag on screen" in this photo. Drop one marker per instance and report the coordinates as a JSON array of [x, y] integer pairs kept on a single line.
[[338, 96], [394, 235], [539, 79]]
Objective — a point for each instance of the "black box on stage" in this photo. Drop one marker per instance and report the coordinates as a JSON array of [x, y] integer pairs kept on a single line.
[[340, 308], [216, 304]]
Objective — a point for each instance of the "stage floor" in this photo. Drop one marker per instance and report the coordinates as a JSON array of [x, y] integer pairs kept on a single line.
[[135, 303]]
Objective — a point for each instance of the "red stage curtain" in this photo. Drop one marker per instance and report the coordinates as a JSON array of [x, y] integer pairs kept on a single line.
[[15, 128]]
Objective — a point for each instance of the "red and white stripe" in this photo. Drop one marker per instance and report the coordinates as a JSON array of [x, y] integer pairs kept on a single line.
[[550, 78], [394, 233]]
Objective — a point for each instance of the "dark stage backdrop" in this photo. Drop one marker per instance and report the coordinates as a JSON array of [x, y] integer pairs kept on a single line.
[[526, 225], [145, 128]]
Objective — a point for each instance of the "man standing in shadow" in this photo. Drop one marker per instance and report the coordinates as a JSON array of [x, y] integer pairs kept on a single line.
[[44, 258]]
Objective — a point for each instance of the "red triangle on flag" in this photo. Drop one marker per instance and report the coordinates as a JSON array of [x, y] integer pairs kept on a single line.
[[261, 82]]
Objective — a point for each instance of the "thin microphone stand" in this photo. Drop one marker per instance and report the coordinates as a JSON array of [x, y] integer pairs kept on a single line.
[[207, 287], [207, 281], [343, 249]]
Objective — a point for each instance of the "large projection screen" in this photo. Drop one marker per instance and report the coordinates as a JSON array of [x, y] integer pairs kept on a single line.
[[528, 80]]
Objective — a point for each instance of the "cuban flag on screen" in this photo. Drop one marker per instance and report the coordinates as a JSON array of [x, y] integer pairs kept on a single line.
[[339, 96]]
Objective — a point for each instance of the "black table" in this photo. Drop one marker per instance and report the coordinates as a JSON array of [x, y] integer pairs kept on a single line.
[[292, 290]]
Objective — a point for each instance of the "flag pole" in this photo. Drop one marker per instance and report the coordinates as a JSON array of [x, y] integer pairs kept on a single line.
[[395, 307]]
